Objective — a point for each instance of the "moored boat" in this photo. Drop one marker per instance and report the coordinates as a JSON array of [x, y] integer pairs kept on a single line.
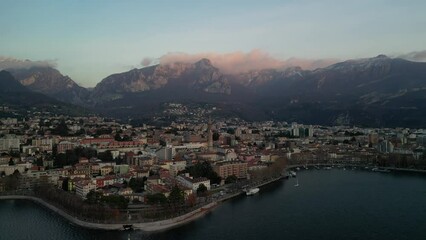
[[252, 191]]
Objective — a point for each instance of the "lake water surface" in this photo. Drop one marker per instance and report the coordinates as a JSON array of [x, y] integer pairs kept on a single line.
[[327, 204]]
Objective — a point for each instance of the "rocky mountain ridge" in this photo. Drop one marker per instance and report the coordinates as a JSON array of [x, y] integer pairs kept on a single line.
[[51, 82], [377, 91]]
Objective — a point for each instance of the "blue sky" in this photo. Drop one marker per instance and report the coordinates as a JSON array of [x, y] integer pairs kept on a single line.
[[92, 39]]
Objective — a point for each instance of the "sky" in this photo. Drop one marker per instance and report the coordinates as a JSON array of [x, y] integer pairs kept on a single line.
[[91, 39]]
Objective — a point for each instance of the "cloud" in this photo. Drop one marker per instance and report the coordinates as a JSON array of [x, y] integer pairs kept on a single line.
[[146, 62], [13, 63], [238, 62], [419, 56]]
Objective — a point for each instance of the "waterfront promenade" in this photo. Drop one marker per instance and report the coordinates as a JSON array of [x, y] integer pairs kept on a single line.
[[146, 226], [153, 226], [171, 222]]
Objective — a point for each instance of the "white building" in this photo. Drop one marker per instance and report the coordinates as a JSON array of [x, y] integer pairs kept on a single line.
[[9, 142], [168, 152], [82, 188], [192, 183]]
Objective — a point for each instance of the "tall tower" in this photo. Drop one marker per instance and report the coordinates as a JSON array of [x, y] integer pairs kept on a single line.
[[209, 136]]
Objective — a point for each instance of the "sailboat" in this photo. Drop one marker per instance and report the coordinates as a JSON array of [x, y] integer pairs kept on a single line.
[[297, 182]]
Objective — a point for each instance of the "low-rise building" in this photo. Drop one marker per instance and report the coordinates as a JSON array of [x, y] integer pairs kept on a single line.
[[193, 183], [83, 187]]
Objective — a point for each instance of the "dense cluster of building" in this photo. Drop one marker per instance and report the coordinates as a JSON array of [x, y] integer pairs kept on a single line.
[[90, 153]]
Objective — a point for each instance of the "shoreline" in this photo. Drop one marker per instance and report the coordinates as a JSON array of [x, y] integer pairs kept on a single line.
[[146, 227], [409, 170], [155, 226], [167, 224]]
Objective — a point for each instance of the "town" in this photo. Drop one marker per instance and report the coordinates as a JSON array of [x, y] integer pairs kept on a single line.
[[99, 169]]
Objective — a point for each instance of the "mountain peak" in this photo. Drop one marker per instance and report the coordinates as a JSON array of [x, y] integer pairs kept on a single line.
[[203, 63], [382, 56]]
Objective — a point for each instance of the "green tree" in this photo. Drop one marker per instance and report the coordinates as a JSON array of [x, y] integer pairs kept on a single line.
[[106, 156], [65, 184], [39, 162], [157, 198], [201, 190], [137, 184], [204, 169], [176, 196], [93, 197], [216, 136], [61, 129], [11, 162], [117, 137], [115, 201], [231, 179]]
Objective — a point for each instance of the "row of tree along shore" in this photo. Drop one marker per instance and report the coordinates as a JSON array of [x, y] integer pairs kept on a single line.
[[112, 212]]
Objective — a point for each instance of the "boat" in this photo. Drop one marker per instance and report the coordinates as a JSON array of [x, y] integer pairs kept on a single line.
[[292, 174], [297, 183], [327, 168], [381, 170], [128, 227], [252, 191], [298, 168]]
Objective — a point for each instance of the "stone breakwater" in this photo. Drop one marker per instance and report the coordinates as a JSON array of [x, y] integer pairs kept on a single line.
[[147, 227]]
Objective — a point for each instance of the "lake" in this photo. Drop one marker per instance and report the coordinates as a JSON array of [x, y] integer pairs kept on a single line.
[[327, 204]]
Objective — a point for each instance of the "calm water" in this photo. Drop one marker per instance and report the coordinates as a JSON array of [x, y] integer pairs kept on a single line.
[[327, 204]]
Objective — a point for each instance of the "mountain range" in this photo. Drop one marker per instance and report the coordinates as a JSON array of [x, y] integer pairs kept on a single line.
[[378, 91], [16, 96]]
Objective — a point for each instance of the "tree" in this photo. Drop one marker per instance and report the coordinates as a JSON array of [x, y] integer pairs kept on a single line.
[[39, 162], [117, 137], [65, 184], [231, 179], [93, 197], [106, 156], [61, 129], [176, 196], [216, 136], [201, 190], [12, 181], [231, 131], [137, 184], [11, 162], [157, 198], [115, 201], [204, 169]]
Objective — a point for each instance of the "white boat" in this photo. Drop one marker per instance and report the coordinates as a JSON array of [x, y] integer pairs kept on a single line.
[[252, 191], [298, 168], [292, 174], [297, 183], [380, 170], [327, 168]]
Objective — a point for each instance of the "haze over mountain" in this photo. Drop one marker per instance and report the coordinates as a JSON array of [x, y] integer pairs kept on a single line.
[[199, 76]]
